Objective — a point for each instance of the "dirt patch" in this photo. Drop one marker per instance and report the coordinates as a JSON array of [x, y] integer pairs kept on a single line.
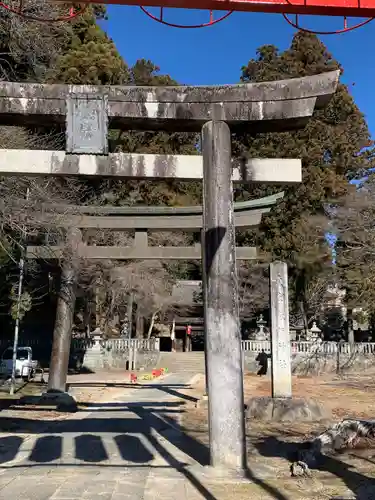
[[28, 417], [348, 476]]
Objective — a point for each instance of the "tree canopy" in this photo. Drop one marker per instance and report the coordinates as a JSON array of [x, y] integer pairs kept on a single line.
[[335, 148]]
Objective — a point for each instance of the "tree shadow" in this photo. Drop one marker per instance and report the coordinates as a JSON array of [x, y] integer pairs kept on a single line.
[[355, 481]]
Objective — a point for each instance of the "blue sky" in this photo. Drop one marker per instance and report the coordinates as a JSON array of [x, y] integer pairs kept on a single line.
[[215, 55]]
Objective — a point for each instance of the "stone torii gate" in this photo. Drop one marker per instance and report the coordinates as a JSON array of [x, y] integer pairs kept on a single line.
[[140, 220], [88, 112]]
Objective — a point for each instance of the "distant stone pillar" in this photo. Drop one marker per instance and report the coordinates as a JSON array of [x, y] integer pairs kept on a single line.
[[223, 341], [280, 337], [62, 333]]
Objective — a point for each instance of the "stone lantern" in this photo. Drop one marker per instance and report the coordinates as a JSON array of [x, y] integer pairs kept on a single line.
[[261, 334], [314, 333]]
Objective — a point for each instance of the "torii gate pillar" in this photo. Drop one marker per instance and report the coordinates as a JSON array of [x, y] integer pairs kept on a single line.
[[220, 295]]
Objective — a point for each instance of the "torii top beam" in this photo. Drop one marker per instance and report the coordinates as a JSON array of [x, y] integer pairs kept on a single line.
[[247, 214], [267, 106]]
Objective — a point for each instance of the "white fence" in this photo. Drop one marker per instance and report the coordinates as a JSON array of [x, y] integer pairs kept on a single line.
[[311, 347], [152, 344]]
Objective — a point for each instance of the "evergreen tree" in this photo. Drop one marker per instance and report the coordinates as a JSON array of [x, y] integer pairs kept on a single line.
[[91, 56], [331, 148]]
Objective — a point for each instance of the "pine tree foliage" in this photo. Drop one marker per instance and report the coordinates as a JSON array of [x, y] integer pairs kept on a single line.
[[91, 56]]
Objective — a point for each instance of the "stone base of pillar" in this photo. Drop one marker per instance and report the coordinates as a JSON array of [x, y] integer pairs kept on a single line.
[[271, 409], [202, 402], [219, 475], [63, 401], [60, 401]]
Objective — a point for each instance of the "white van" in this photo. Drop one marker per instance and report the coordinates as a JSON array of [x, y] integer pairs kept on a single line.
[[25, 366]]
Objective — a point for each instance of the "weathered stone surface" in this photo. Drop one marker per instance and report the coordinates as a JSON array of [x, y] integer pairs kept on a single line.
[[134, 211], [86, 125], [129, 223], [246, 214], [134, 253], [321, 86], [220, 295], [115, 359], [280, 336], [150, 166], [274, 106], [60, 400], [285, 410]]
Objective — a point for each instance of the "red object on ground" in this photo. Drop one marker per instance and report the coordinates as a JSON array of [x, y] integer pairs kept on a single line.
[[350, 8], [133, 378]]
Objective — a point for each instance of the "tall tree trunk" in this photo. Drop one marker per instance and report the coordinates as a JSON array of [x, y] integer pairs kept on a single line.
[[97, 307], [305, 320], [349, 321], [139, 324], [301, 297], [372, 326], [150, 328], [129, 314], [87, 314]]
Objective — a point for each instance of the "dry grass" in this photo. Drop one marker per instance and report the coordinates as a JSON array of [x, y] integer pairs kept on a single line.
[[271, 445]]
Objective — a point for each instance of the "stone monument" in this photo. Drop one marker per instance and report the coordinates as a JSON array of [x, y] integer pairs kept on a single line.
[[281, 406]]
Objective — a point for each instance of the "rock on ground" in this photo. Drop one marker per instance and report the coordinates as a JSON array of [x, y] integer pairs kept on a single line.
[[286, 410]]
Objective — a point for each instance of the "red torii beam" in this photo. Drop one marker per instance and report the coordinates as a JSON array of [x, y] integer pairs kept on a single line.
[[350, 8]]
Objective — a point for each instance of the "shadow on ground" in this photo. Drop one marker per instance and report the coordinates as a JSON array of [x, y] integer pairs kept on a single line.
[[148, 419], [131, 425], [126, 421]]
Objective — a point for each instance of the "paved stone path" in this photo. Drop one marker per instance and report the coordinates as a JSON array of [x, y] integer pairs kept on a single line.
[[128, 449]]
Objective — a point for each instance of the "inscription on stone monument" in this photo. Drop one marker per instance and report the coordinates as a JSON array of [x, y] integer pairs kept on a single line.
[[280, 341]]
